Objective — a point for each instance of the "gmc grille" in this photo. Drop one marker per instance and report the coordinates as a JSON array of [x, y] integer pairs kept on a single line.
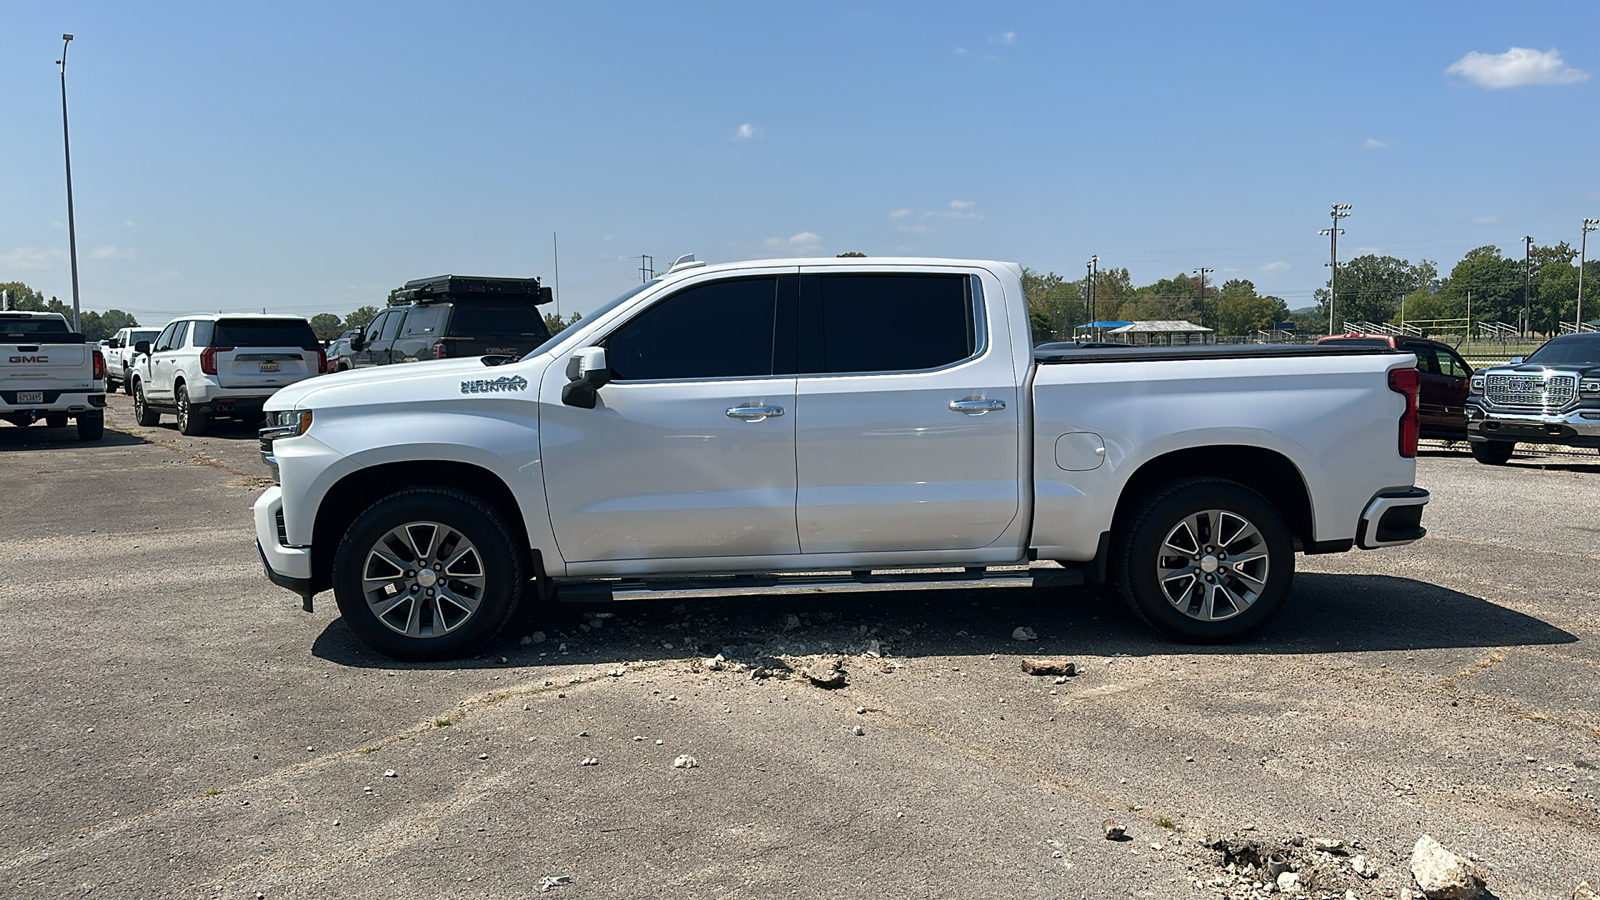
[[1541, 393]]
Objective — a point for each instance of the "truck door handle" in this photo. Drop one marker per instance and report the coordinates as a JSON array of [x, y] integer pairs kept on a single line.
[[755, 413], [977, 407]]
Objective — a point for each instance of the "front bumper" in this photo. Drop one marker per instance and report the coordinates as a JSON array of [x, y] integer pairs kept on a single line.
[[1393, 519], [286, 566], [1578, 428]]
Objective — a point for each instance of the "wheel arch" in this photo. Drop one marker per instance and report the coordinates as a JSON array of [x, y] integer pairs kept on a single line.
[[355, 492], [1267, 472]]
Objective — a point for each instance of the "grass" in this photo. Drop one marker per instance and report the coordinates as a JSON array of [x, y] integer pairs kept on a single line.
[[1165, 822], [442, 723]]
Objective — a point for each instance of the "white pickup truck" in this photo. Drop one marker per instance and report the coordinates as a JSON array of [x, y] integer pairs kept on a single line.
[[48, 372], [862, 424]]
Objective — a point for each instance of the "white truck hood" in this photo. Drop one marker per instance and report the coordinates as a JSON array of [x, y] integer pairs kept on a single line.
[[381, 384]]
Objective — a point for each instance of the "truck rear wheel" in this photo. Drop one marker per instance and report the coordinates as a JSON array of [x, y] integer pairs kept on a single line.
[[190, 422], [91, 426], [1493, 453], [55, 420], [427, 573], [1205, 560]]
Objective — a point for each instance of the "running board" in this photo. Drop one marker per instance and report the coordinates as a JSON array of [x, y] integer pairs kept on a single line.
[[600, 591]]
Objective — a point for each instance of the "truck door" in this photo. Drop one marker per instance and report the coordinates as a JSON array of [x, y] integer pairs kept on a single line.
[[906, 413], [379, 335], [164, 362], [689, 451], [1436, 388]]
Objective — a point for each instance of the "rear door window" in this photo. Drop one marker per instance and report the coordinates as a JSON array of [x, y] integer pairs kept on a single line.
[[265, 333], [886, 323], [719, 330], [1453, 365], [477, 319], [1427, 359], [423, 321], [203, 332]]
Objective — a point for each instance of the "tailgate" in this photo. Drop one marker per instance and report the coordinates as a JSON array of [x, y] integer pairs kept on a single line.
[[246, 368], [38, 367]]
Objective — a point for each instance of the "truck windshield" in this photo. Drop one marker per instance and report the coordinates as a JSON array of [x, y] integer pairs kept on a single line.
[[1573, 351], [608, 307]]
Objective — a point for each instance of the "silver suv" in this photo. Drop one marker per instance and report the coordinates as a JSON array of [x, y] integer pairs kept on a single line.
[[202, 367]]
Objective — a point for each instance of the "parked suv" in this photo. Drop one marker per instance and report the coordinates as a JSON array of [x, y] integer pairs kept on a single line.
[[452, 316], [201, 367], [1552, 397], [1442, 404]]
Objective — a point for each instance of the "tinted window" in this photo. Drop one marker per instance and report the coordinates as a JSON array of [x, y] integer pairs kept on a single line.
[[164, 341], [391, 324], [1569, 351], [1357, 342], [33, 326], [181, 334], [1427, 360], [203, 332], [423, 321], [265, 333], [1453, 365], [888, 323], [478, 319], [718, 330]]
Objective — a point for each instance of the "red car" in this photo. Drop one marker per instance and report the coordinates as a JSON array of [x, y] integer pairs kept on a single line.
[[1441, 408]]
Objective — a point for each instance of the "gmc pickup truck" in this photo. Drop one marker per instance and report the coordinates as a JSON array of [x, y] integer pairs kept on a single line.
[[1552, 397], [48, 372], [854, 424]]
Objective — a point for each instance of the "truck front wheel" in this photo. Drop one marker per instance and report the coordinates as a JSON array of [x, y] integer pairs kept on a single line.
[[142, 413], [1205, 560], [1493, 453], [427, 573]]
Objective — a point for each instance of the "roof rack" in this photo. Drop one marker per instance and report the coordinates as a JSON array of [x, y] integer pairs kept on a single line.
[[470, 287]]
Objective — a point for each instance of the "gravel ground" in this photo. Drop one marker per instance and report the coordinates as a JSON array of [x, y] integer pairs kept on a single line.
[[176, 727]]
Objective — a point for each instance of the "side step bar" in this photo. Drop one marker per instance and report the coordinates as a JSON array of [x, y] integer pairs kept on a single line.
[[604, 590]]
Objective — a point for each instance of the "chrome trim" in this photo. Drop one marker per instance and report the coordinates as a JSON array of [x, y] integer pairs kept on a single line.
[[976, 406], [754, 413]]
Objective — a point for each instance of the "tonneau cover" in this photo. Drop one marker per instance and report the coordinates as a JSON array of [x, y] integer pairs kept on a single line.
[[1097, 353]]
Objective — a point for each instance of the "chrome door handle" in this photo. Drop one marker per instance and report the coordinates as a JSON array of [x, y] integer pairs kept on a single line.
[[977, 407], [755, 413]]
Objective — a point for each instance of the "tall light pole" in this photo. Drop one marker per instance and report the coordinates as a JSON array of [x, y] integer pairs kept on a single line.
[[1093, 265], [1340, 211], [1202, 272], [1583, 252], [66, 145], [1527, 285]]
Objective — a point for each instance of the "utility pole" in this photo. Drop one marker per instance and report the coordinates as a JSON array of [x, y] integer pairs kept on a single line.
[[1340, 211], [1094, 310], [555, 254], [647, 268], [1583, 253], [1527, 285], [66, 145], [1201, 308]]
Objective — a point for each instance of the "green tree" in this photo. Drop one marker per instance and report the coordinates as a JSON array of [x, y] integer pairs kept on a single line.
[[1176, 298], [21, 293], [1055, 305], [361, 318], [1241, 311], [327, 326], [554, 323], [1488, 283], [852, 253], [1370, 287]]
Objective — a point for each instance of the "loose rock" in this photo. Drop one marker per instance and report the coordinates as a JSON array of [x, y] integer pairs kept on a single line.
[[827, 675], [589, 761], [858, 731], [1114, 831], [1442, 875], [1288, 882], [685, 762], [550, 881], [390, 773], [1361, 866], [1024, 633], [790, 622], [1585, 891], [1057, 667]]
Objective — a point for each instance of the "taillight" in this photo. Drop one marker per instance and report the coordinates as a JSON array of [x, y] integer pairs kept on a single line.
[[1407, 382], [322, 360], [438, 350], [99, 365], [208, 359]]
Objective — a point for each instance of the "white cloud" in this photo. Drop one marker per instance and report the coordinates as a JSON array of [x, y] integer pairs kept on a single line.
[[111, 251], [1516, 67], [1379, 144], [963, 204], [1277, 265], [1486, 220], [805, 241], [31, 258], [917, 229], [962, 51], [958, 209], [1004, 37], [748, 132], [899, 213], [127, 223]]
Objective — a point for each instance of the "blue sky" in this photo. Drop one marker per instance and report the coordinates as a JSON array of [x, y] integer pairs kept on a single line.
[[307, 157]]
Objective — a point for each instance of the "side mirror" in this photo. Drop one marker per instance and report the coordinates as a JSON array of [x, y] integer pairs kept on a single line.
[[113, 344], [142, 347], [1515, 361], [359, 342], [586, 374]]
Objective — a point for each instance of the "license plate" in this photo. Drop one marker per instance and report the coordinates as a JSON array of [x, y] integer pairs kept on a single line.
[[270, 365], [30, 396]]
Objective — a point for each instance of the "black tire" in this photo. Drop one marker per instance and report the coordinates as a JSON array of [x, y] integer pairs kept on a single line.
[[412, 625], [127, 382], [1239, 595], [1493, 453], [189, 422], [142, 413], [91, 426], [55, 420]]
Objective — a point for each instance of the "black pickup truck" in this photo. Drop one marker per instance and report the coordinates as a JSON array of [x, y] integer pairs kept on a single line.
[[1552, 397], [452, 316]]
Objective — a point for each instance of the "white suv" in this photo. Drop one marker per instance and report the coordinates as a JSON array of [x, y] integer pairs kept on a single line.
[[201, 367]]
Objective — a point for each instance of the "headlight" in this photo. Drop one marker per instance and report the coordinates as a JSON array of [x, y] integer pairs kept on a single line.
[[1477, 384], [286, 423]]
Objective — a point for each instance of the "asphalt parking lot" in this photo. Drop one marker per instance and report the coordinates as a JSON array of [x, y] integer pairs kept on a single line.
[[175, 726]]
